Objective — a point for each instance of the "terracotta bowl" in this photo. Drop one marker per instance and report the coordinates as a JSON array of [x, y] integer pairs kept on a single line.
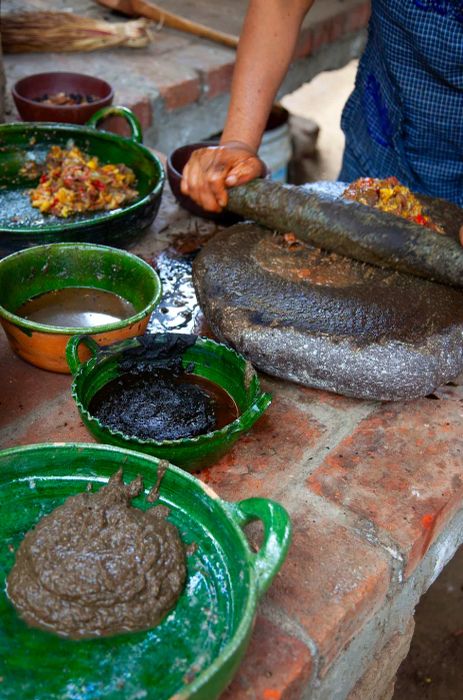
[[34, 271], [174, 166], [27, 90]]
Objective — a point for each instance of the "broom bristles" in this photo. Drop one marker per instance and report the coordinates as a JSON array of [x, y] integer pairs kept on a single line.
[[29, 32]]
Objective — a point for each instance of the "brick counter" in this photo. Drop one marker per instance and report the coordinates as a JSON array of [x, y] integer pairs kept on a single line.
[[179, 85], [375, 494]]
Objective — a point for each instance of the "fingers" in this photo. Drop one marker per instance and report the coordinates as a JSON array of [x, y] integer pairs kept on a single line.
[[216, 175], [245, 171], [210, 171], [196, 180]]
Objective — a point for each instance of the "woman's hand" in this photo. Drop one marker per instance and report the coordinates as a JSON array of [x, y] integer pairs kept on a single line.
[[210, 171], [267, 44]]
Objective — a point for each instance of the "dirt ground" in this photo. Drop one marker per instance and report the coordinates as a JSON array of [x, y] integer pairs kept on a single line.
[[433, 669]]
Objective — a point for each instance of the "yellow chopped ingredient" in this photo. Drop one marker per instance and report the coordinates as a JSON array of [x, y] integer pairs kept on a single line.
[[73, 182], [391, 196]]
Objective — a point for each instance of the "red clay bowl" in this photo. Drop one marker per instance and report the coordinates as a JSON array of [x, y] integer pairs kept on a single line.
[[174, 166], [27, 90]]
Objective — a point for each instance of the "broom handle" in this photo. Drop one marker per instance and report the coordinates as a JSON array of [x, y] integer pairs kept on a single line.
[[170, 19]]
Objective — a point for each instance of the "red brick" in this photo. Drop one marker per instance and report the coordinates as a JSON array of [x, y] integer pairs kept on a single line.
[[213, 64], [276, 666], [166, 71], [156, 68], [321, 36], [142, 110], [266, 460], [56, 421], [218, 80], [401, 468], [23, 386], [337, 27], [178, 83], [306, 396], [304, 43], [330, 583], [177, 95], [324, 27]]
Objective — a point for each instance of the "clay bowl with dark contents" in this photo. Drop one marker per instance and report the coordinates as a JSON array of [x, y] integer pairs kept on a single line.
[[37, 97], [50, 293], [223, 381], [174, 167]]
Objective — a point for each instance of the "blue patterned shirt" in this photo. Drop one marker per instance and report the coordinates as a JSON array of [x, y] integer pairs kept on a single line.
[[405, 115]]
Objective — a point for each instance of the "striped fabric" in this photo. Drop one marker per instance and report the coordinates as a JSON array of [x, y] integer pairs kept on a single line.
[[405, 115]]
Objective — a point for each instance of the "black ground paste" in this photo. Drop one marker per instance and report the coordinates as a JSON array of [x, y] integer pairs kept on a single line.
[[157, 405]]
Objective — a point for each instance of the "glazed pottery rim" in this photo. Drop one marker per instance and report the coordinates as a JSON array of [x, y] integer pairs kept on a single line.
[[71, 74], [248, 613], [34, 326], [196, 144], [231, 428], [82, 130]]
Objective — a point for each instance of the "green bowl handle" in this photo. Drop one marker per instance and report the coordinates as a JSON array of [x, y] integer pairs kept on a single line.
[[277, 536], [72, 350], [135, 126]]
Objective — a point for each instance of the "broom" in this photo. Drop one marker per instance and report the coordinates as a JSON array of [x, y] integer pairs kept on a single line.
[[28, 32]]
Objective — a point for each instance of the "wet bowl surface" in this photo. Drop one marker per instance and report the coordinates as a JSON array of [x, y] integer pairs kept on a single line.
[[194, 652], [26, 91], [40, 269], [206, 358]]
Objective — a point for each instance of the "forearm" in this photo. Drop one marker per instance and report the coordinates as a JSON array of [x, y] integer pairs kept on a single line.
[[267, 44]]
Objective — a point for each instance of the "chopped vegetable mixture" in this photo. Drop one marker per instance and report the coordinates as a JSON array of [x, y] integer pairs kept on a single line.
[[390, 196], [73, 182]]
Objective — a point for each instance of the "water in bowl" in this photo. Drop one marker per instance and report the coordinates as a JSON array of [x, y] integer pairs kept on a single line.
[[76, 307]]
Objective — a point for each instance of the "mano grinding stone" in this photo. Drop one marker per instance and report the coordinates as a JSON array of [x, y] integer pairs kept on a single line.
[[320, 216], [327, 321]]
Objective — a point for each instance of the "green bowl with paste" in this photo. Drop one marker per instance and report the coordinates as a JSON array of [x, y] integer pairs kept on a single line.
[[207, 358], [195, 651]]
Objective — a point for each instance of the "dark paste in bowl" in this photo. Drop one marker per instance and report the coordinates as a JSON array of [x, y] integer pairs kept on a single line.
[[96, 566], [163, 404]]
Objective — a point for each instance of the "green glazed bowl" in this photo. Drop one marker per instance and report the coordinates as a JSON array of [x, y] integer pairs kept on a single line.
[[22, 225], [194, 652], [45, 268], [207, 358]]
